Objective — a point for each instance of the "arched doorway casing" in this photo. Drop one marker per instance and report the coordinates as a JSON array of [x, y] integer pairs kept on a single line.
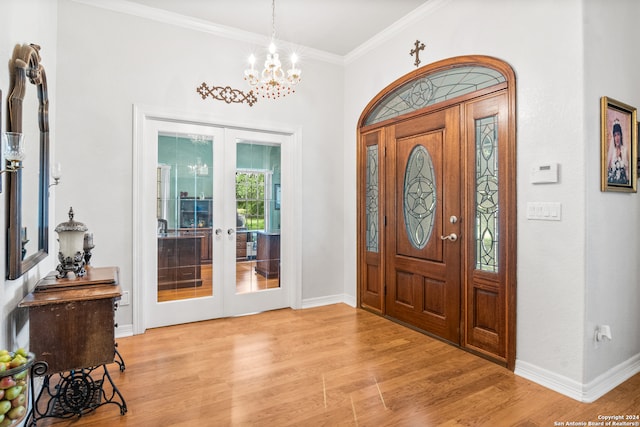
[[437, 204]]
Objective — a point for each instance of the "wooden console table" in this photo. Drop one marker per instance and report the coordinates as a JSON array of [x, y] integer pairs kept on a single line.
[[71, 333]]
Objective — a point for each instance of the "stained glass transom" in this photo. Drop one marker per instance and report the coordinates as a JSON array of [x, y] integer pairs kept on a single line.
[[487, 221], [372, 198], [434, 88], [419, 197]]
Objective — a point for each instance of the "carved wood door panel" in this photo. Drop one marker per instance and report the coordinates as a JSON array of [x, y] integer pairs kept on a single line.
[[423, 246]]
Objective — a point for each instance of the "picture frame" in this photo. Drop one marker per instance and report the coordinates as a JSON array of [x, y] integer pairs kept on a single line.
[[2, 165], [278, 194], [618, 146]]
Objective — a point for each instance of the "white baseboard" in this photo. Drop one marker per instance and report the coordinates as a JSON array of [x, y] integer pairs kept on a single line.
[[548, 379], [328, 300], [589, 392], [611, 379], [127, 330], [124, 331]]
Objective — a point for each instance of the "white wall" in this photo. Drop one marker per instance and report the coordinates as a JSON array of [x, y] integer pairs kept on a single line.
[[109, 61], [557, 121], [613, 226], [24, 21]]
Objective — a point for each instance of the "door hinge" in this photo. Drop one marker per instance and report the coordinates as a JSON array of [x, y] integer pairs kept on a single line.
[[385, 290], [384, 220]]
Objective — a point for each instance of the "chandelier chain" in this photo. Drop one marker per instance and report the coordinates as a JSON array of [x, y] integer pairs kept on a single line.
[[273, 20]]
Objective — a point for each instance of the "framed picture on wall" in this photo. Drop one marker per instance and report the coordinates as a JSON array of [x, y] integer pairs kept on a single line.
[[278, 194], [618, 146]]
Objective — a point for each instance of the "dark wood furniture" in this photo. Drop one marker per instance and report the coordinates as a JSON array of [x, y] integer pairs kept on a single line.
[[206, 251], [71, 329], [179, 260], [268, 254], [241, 244]]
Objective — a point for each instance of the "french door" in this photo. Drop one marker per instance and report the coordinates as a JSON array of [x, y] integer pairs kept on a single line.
[[212, 230]]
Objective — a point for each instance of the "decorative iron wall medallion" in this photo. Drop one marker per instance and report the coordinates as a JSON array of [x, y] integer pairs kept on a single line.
[[227, 94], [419, 197]]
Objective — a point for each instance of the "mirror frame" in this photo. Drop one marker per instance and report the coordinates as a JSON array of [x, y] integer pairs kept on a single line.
[[26, 64]]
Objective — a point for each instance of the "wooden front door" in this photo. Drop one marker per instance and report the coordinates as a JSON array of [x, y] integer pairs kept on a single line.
[[423, 252], [437, 204]]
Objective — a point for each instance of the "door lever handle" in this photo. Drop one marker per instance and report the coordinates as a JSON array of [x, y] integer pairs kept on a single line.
[[453, 237]]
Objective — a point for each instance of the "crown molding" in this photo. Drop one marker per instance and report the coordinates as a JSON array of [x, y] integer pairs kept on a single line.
[[170, 18], [417, 14]]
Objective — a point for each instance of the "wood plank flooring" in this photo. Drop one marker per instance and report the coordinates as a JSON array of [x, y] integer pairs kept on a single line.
[[326, 366]]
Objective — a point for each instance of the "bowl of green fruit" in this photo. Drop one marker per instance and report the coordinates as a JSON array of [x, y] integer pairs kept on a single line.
[[14, 385]]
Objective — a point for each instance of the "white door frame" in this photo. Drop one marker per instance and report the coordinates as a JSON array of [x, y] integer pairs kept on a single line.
[[143, 263]]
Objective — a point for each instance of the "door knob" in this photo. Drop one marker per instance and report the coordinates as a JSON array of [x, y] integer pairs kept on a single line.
[[218, 231], [230, 231], [453, 237]]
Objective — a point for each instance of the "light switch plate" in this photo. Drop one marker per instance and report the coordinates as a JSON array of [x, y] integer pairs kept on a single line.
[[546, 211]]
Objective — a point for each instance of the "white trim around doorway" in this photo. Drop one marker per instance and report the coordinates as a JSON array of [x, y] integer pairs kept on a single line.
[[292, 267]]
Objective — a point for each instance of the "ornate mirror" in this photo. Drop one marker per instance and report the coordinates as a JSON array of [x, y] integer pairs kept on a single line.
[[28, 187]]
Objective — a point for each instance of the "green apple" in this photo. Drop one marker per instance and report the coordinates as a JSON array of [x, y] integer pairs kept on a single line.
[[13, 392], [5, 405], [17, 412], [20, 400], [20, 375], [17, 361]]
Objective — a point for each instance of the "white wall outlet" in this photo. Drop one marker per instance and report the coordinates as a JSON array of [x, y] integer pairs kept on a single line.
[[602, 332], [124, 299]]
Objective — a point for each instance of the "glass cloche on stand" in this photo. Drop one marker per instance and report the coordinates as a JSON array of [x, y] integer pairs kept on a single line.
[[71, 251]]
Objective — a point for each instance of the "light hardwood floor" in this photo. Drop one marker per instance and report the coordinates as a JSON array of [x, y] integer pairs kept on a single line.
[[326, 366]]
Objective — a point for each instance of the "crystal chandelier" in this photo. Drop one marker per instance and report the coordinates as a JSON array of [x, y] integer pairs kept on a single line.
[[273, 82]]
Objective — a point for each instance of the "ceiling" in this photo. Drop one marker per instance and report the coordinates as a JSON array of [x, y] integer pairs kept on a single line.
[[333, 26]]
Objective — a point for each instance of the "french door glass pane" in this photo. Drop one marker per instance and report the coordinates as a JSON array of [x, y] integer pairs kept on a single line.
[[258, 180], [185, 216]]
